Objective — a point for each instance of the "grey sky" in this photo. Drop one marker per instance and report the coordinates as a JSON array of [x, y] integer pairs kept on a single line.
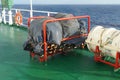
[[68, 1]]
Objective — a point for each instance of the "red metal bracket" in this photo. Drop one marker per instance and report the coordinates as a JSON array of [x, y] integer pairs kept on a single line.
[[98, 57], [32, 54], [32, 18]]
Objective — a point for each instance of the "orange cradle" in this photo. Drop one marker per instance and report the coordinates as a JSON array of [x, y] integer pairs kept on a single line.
[[45, 57]]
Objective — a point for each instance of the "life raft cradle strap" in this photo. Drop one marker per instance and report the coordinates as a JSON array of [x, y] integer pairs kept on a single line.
[[110, 39]]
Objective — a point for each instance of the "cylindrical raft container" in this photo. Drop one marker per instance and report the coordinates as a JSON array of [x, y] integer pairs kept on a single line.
[[108, 40]]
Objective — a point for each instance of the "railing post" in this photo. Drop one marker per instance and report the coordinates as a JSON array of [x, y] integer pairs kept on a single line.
[[31, 9], [0, 19], [4, 16], [48, 13], [10, 17], [16, 11]]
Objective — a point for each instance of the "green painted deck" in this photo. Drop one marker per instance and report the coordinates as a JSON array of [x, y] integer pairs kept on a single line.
[[15, 63]]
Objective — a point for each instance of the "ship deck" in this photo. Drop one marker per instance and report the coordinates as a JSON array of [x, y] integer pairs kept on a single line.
[[15, 63]]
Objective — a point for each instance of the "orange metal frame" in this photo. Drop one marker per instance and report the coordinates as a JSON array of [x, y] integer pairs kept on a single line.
[[54, 20], [97, 58]]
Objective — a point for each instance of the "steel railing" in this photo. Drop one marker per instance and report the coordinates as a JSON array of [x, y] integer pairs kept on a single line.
[[26, 12]]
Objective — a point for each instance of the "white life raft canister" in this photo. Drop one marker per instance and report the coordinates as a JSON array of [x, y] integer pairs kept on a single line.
[[108, 40]]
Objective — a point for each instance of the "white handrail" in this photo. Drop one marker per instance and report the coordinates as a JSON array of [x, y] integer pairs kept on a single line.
[[27, 10], [35, 11]]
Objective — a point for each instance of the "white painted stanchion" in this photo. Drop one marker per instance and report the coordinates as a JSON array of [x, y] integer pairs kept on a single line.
[[0, 19], [10, 17], [48, 14], [4, 16], [31, 9]]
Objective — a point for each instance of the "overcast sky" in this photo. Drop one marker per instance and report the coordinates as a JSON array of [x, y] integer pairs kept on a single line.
[[68, 1]]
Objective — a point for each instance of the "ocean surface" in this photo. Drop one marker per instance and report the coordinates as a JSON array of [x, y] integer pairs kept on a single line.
[[105, 15]]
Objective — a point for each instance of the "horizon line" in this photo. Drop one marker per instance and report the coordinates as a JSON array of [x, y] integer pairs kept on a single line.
[[68, 4]]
